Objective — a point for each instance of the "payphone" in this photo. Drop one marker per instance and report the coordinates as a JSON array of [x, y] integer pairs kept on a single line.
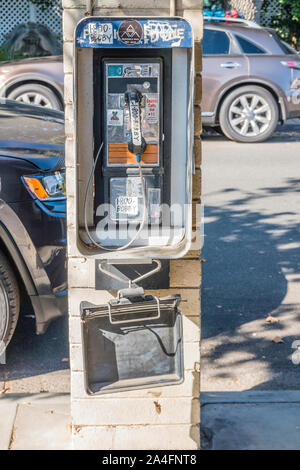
[[134, 149], [133, 138]]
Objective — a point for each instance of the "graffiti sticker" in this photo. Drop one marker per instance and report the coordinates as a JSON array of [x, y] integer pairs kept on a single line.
[[99, 33], [130, 32], [155, 31]]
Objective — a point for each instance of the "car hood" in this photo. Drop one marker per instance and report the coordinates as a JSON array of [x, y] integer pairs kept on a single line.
[[33, 134]]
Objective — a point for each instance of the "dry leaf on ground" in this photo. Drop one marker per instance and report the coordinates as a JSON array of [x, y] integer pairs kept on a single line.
[[277, 340], [271, 319]]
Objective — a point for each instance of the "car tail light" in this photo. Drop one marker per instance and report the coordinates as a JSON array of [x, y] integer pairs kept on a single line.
[[46, 187], [292, 64]]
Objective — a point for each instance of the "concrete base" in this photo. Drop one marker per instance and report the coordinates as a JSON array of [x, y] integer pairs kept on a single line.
[[250, 420], [232, 421], [35, 422]]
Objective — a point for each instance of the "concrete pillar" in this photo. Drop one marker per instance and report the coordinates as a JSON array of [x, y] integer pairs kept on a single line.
[[162, 417]]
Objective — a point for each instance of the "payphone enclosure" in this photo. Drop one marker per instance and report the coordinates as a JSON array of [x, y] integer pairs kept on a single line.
[[133, 204]]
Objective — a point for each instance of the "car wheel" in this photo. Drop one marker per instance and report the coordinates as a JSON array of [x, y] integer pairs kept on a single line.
[[35, 94], [249, 114], [9, 302]]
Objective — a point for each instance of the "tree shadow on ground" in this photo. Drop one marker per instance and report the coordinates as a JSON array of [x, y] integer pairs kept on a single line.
[[249, 256]]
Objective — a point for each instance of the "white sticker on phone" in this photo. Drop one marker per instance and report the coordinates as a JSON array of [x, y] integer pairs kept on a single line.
[[127, 205], [115, 117]]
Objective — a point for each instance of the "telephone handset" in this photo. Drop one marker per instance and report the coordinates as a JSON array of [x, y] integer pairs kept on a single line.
[[137, 143]]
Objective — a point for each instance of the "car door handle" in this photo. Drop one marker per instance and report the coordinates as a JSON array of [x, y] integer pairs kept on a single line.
[[231, 65]]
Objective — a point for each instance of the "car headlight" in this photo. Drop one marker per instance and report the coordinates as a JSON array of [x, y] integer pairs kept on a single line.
[[51, 186]]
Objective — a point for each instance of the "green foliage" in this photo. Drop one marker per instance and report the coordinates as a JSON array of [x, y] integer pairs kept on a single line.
[[215, 3], [287, 21], [42, 3], [4, 55], [16, 55]]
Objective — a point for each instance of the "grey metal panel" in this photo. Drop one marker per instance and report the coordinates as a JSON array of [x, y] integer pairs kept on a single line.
[[84, 102], [160, 280], [180, 87]]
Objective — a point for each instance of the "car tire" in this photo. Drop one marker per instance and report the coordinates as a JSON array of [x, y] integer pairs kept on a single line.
[[249, 114], [218, 130], [9, 302], [37, 95]]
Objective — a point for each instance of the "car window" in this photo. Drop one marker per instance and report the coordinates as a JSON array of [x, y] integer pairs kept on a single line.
[[249, 47], [215, 42]]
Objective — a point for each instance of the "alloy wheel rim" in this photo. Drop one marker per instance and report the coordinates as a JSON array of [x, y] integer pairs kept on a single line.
[[250, 115], [35, 99]]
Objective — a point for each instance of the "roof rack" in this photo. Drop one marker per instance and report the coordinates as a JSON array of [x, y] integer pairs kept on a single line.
[[249, 23]]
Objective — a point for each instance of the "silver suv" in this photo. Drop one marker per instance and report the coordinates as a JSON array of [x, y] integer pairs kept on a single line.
[[251, 80]]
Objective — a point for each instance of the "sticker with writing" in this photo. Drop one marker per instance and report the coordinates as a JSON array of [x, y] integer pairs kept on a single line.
[[152, 108], [99, 33], [115, 117]]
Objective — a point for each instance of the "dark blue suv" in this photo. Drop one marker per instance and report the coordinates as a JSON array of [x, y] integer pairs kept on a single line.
[[32, 215]]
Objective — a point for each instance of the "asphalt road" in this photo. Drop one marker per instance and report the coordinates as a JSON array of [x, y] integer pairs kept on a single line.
[[35, 363], [252, 241], [252, 268]]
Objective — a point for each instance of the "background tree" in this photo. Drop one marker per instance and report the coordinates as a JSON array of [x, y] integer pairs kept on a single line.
[[287, 21], [42, 3]]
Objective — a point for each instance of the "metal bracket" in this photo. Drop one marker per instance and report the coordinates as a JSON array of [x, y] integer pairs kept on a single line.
[[134, 320], [130, 292], [131, 281]]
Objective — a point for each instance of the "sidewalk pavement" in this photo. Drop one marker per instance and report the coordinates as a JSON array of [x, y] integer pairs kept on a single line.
[[251, 420], [35, 421]]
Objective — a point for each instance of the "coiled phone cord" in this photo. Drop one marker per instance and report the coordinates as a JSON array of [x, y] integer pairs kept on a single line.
[[138, 158]]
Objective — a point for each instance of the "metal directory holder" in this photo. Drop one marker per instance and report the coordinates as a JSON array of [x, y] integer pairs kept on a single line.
[[134, 341]]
